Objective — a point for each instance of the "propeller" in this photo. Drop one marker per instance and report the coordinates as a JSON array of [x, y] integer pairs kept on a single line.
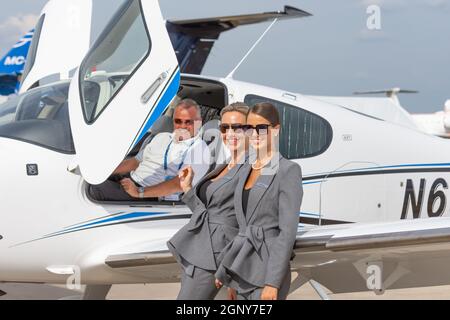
[[389, 92]]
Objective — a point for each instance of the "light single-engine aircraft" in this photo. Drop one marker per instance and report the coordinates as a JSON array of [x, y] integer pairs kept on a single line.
[[362, 175]]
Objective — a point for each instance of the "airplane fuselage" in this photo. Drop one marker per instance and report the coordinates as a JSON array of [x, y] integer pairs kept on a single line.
[[360, 170]]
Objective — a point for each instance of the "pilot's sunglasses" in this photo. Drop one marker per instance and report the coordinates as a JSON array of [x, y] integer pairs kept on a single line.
[[261, 129], [236, 127], [186, 122]]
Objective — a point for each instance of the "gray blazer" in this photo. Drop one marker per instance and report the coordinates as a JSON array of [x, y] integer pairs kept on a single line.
[[260, 255], [212, 226]]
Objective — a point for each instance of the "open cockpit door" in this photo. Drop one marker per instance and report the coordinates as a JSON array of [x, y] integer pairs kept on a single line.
[[60, 41], [123, 85]]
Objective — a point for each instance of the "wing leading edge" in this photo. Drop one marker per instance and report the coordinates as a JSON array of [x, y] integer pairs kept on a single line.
[[345, 258], [393, 255]]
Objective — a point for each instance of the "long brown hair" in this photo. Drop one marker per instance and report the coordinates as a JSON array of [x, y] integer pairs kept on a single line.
[[268, 111]]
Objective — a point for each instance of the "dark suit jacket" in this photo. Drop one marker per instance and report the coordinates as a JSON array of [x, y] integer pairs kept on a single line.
[[212, 226], [260, 254]]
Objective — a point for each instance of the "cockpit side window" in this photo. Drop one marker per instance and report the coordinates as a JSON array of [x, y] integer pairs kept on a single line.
[[113, 59], [39, 116]]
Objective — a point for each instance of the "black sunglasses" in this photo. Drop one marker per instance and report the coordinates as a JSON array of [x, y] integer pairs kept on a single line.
[[186, 122], [260, 129], [236, 127]]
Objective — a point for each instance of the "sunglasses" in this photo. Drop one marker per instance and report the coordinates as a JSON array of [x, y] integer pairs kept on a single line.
[[261, 129], [186, 122], [236, 127]]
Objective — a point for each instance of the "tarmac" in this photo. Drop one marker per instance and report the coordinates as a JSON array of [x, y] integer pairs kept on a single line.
[[168, 291]]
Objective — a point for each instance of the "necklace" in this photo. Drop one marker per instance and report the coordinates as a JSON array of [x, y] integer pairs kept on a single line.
[[262, 166]]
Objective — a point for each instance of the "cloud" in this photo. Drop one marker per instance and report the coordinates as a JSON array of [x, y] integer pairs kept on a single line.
[[14, 27]]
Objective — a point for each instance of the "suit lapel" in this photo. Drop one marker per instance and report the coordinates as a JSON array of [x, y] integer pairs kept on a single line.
[[260, 188], [257, 192], [226, 178], [210, 175]]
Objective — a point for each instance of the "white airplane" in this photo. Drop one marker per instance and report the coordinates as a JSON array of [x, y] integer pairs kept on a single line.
[[385, 108], [390, 109], [437, 123], [362, 175]]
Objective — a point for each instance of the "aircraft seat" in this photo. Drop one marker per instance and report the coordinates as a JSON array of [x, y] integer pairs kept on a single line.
[[210, 133], [162, 124]]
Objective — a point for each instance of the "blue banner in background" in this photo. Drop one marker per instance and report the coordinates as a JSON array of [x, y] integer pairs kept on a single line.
[[13, 64]]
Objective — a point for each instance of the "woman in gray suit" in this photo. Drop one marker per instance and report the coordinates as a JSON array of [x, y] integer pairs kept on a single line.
[[256, 264], [213, 223]]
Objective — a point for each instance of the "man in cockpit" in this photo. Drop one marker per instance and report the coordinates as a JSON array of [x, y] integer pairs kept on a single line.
[[153, 173]]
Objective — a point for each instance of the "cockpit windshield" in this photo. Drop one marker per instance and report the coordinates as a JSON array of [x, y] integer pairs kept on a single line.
[[39, 116]]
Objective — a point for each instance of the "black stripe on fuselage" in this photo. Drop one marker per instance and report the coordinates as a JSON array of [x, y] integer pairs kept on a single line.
[[303, 220], [181, 216], [321, 222], [375, 172]]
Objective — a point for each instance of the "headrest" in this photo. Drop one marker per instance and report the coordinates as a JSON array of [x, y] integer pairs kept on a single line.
[[163, 124], [210, 131]]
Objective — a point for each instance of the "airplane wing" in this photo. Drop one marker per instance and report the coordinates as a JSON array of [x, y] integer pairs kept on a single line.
[[154, 266], [343, 258], [140, 259], [379, 256], [194, 39]]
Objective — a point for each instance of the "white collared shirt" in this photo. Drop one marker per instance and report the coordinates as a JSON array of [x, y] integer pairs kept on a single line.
[[192, 152]]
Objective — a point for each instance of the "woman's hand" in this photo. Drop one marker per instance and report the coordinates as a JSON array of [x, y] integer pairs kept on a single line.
[[186, 176], [218, 284], [269, 293], [130, 187], [232, 294]]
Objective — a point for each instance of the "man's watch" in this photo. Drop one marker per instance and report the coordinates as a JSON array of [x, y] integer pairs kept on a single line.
[[141, 191]]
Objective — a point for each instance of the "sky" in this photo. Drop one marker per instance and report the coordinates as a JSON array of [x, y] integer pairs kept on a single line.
[[331, 53]]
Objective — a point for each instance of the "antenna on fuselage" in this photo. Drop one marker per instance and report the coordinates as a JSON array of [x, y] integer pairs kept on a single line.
[[229, 76]]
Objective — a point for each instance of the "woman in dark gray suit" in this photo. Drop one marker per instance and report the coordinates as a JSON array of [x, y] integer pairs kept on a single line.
[[256, 264], [213, 223]]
